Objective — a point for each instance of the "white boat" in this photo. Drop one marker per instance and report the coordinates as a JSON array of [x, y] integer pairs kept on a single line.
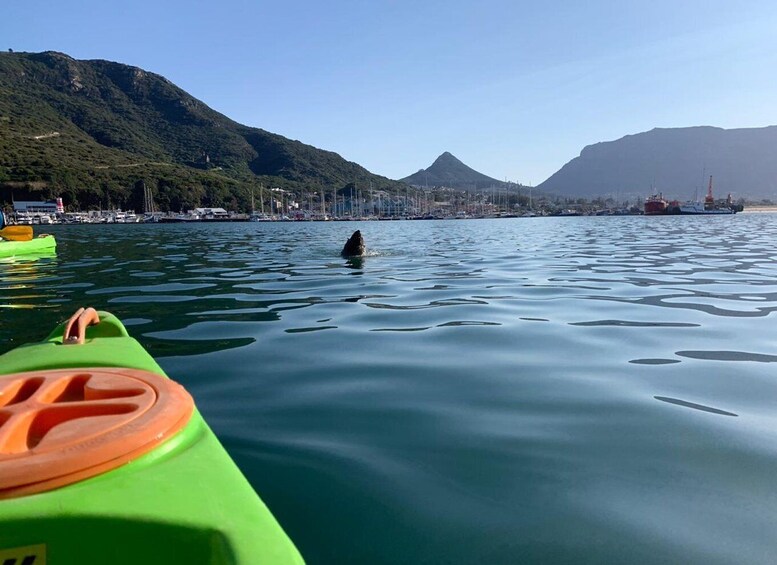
[[180, 218], [708, 207], [690, 208], [120, 217]]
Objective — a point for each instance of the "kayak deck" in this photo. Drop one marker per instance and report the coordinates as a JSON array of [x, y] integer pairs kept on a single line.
[[184, 502]]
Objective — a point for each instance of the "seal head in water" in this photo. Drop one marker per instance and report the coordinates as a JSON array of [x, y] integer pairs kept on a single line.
[[354, 247]]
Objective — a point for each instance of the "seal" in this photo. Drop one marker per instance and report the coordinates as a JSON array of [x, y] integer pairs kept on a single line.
[[354, 247]]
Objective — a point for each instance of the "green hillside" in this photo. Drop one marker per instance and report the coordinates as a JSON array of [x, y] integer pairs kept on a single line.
[[89, 130]]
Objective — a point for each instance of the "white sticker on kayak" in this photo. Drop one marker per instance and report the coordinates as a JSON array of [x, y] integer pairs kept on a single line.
[[27, 555]]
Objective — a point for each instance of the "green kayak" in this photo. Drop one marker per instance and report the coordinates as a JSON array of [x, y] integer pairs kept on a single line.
[[40, 244], [105, 460]]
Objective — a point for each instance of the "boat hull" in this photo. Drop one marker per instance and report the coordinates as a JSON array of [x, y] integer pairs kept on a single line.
[[40, 244], [655, 206], [698, 209], [707, 213]]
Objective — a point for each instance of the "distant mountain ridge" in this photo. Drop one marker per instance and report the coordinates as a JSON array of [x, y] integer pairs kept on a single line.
[[675, 161], [449, 172], [88, 130]]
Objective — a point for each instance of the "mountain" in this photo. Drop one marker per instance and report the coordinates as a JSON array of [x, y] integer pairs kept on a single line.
[[677, 162], [449, 172], [90, 130]]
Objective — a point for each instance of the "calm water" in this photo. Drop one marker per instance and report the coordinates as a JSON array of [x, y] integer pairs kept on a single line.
[[548, 390]]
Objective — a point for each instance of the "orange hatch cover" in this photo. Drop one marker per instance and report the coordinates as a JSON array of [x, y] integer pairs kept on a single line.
[[60, 426]]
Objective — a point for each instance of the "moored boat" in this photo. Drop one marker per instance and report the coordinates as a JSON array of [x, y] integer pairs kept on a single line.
[[691, 207], [708, 207], [103, 459], [655, 204], [40, 244]]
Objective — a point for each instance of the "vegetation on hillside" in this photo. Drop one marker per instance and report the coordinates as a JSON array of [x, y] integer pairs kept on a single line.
[[89, 130]]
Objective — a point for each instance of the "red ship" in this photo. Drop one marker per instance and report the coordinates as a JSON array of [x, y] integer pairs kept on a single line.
[[655, 205]]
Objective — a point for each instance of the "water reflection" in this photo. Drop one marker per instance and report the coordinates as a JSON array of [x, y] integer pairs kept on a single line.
[[695, 406], [654, 361], [728, 356], [628, 324]]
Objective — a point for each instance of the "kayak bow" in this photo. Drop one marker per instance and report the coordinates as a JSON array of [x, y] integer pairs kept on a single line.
[[103, 459]]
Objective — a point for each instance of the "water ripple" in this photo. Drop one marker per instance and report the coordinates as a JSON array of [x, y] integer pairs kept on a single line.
[[628, 324], [693, 405], [728, 356]]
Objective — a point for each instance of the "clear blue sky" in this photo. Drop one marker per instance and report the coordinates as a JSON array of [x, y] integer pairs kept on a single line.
[[514, 89]]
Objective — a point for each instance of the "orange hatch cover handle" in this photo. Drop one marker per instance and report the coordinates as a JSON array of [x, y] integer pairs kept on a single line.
[[75, 329]]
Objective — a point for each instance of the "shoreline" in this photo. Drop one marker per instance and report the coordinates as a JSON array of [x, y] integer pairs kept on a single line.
[[759, 209]]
